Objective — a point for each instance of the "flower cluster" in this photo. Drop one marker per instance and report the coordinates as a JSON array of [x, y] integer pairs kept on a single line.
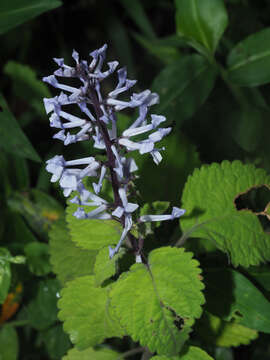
[[98, 124]]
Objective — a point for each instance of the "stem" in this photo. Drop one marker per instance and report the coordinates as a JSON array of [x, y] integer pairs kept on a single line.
[[108, 144], [130, 353], [146, 355], [17, 323]]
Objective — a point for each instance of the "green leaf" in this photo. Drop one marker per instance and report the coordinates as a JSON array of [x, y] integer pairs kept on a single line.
[[203, 22], [166, 181], [26, 85], [249, 60], [237, 299], [101, 354], [136, 11], [213, 330], [56, 342], [183, 87], [151, 302], [12, 138], [42, 310], [92, 234], [189, 353], [84, 308], [164, 52], [209, 198], [104, 266], [261, 274], [73, 262], [16, 12], [9, 343], [37, 255], [5, 273]]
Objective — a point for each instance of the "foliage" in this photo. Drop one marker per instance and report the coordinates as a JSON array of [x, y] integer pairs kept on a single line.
[[197, 288]]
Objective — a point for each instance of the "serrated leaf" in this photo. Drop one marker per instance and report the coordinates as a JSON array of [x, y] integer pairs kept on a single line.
[[92, 234], [249, 60], [37, 255], [189, 353], [9, 343], [101, 354], [84, 308], [222, 333], [16, 12], [209, 197], [18, 143], [178, 82], [74, 261], [203, 22], [150, 301], [42, 310], [26, 85], [104, 266], [5, 273], [237, 299]]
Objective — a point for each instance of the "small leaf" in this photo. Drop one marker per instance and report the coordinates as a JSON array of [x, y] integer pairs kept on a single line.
[[104, 266], [73, 262], [42, 310], [101, 354], [37, 255], [222, 333], [183, 87], [156, 304], [9, 343], [5, 274], [188, 353], [18, 143], [201, 21], [209, 198], [14, 13], [92, 234], [249, 61], [237, 299], [84, 308]]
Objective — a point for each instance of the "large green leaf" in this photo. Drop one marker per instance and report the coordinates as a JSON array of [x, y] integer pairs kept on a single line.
[[157, 304], [261, 274], [84, 308], [74, 261], [91, 354], [183, 87], [92, 234], [249, 61], [9, 343], [12, 138], [201, 21], [16, 12], [5, 273], [209, 198], [231, 296], [189, 353], [214, 330]]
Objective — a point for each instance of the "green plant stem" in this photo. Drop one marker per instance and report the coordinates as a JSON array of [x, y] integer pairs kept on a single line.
[[131, 352], [16, 323], [146, 355]]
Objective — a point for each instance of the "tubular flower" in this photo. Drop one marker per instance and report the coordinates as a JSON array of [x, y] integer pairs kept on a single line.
[[98, 125]]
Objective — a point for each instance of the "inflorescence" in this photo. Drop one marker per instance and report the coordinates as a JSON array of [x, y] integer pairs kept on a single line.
[[99, 125]]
